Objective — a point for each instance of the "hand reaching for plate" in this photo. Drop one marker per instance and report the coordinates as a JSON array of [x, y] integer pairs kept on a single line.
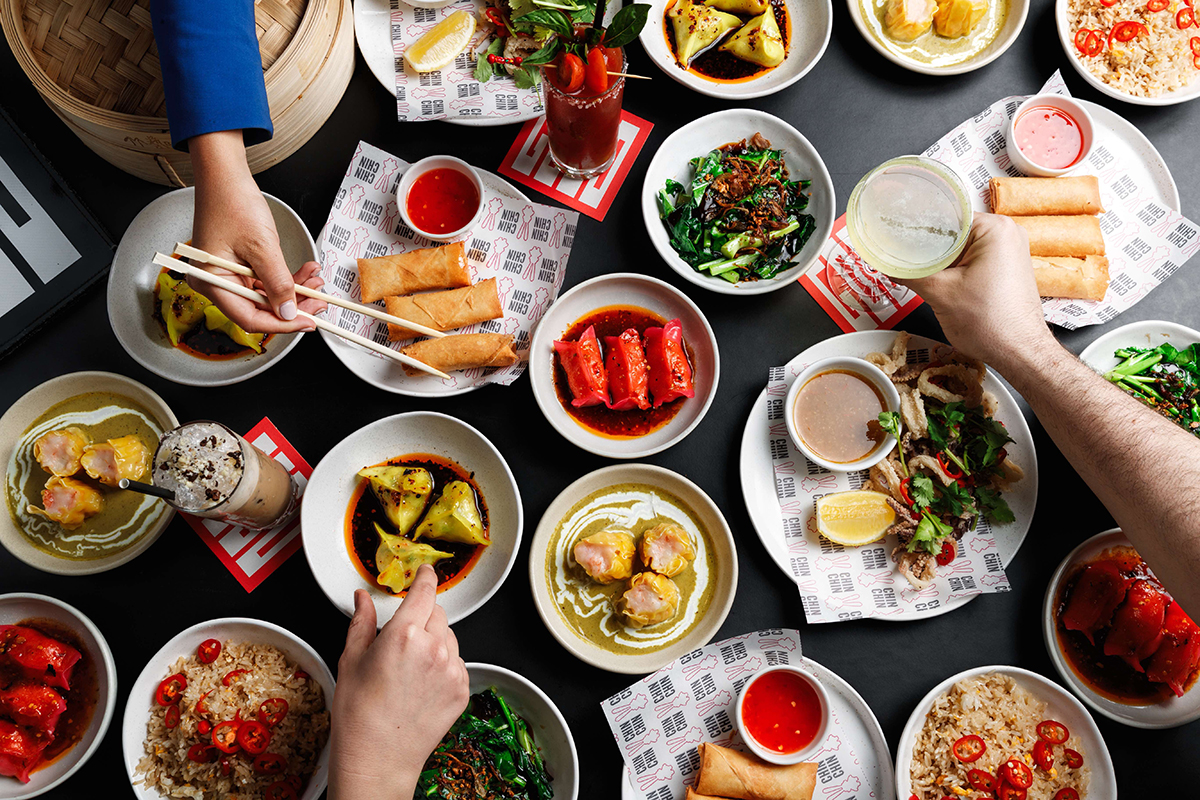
[[987, 303], [232, 220], [397, 695]]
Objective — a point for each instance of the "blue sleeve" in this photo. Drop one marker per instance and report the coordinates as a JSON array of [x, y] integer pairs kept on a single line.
[[211, 69]]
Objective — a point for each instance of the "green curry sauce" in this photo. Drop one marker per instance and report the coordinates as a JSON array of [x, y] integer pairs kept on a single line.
[[587, 607], [930, 48], [126, 515]]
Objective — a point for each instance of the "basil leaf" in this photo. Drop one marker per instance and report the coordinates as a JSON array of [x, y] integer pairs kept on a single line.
[[550, 18], [626, 25], [483, 68], [547, 53], [527, 78]]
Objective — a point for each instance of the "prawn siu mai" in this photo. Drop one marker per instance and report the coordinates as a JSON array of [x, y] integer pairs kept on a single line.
[[124, 457], [68, 502], [905, 20], [667, 549], [606, 556], [59, 452], [650, 599]]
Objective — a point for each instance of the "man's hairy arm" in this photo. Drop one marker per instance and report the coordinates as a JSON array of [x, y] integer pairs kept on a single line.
[[1143, 467]]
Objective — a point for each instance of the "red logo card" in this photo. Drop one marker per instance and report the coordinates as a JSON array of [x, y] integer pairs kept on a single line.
[[253, 555], [855, 296], [528, 162]]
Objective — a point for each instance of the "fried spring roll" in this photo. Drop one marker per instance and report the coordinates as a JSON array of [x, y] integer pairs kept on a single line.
[[416, 271], [728, 773], [1076, 236], [1074, 278], [444, 311], [692, 795], [463, 351], [1025, 197]]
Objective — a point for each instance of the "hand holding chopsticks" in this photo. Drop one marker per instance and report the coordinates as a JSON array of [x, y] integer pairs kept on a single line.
[[195, 254], [241, 290]]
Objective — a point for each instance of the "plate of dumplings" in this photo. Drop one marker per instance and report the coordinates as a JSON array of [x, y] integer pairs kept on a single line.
[[737, 49]]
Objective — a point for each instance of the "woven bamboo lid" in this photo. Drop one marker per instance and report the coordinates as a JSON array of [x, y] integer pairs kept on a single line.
[[102, 52]]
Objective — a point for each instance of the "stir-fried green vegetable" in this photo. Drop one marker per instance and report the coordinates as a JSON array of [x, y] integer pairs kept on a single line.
[[741, 217], [488, 754], [1165, 378]]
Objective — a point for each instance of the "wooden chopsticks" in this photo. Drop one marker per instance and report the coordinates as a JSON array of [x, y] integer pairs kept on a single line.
[[196, 254], [241, 290]]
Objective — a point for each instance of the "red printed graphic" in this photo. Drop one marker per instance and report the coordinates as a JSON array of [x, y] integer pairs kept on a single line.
[[528, 162], [253, 555]]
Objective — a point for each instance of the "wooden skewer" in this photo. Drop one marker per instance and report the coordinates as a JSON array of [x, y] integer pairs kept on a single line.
[[628, 75], [248, 293], [196, 254]]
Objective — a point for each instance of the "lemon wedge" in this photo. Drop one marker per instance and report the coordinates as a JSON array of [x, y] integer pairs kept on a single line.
[[438, 46], [854, 518]]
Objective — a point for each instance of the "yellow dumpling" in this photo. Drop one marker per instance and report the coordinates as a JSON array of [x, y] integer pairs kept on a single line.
[[181, 306], [955, 18], [905, 20], [697, 26], [759, 41], [398, 559], [739, 6], [215, 320]]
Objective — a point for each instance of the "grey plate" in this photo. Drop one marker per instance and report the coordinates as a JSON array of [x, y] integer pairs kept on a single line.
[[131, 281]]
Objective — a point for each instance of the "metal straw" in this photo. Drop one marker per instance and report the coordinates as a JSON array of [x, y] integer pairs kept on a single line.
[[147, 488]]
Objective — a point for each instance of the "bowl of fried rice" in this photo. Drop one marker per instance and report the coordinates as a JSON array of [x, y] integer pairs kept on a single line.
[[231, 707], [997, 724], [1146, 53]]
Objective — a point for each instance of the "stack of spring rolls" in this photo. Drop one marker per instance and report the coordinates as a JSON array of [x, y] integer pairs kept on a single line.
[[1065, 240], [447, 300], [726, 773]]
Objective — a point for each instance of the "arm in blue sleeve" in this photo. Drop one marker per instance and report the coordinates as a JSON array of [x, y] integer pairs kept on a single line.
[[211, 69]]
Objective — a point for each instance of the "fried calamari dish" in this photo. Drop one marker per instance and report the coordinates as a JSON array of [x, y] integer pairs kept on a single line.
[[951, 465]]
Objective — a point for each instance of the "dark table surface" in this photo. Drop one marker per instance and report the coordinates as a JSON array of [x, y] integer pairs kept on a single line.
[[857, 109]]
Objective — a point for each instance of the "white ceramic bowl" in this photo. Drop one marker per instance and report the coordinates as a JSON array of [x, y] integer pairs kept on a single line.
[[1065, 104], [864, 369], [705, 512], [240, 629], [811, 23], [625, 289], [1170, 713], [17, 420], [426, 165], [1060, 706], [132, 280], [550, 731], [1014, 21], [1146, 333], [699, 137], [17, 607], [818, 739], [327, 497], [1066, 37]]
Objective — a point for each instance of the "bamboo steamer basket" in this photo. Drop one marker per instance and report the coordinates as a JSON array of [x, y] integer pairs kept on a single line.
[[95, 64]]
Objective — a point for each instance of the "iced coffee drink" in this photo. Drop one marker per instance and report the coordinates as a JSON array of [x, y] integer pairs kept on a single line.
[[216, 473]]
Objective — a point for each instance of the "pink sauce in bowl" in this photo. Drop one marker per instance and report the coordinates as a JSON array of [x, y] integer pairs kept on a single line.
[[1049, 137]]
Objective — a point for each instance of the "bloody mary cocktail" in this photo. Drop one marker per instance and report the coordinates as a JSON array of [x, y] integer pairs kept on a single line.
[[583, 124]]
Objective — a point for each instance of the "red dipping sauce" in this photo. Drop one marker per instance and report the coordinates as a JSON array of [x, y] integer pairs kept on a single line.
[[442, 201], [1049, 137], [781, 711]]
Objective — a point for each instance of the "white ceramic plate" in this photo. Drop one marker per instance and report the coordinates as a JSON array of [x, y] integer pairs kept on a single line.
[[389, 375], [697, 139], [17, 607], [132, 283], [811, 25], [625, 289], [702, 508], [1066, 38], [1014, 21], [20, 417], [323, 513], [238, 629], [857, 727], [1170, 713], [1060, 706], [758, 479], [550, 731], [1146, 333]]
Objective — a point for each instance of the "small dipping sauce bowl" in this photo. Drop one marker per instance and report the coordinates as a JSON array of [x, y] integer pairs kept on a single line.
[[440, 188], [859, 372], [1049, 135], [782, 714]]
